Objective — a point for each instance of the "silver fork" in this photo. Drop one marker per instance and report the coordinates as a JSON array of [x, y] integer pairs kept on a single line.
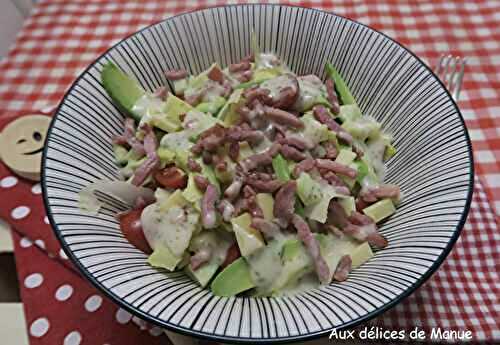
[[450, 69]]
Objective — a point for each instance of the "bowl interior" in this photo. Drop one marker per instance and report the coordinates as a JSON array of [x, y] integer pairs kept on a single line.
[[433, 166]]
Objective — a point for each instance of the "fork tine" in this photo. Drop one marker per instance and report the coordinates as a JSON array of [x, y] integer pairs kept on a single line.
[[439, 66], [442, 71], [452, 72], [447, 70], [459, 79]]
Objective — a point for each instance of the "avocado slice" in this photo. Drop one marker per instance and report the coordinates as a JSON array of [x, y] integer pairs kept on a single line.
[[245, 150], [120, 153], [308, 190], [349, 112], [196, 122], [266, 204], [228, 114], [265, 74], [212, 107], [362, 168], [346, 156], [209, 173], [333, 248], [348, 204], [175, 199], [380, 210], [166, 156], [291, 249], [362, 129], [191, 193], [389, 152], [344, 93], [180, 86], [234, 279], [226, 176], [319, 210], [249, 239], [204, 273], [280, 166], [164, 258], [296, 263], [122, 89], [173, 108]]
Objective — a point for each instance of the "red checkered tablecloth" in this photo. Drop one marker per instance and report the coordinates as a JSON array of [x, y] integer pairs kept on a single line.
[[60, 38]]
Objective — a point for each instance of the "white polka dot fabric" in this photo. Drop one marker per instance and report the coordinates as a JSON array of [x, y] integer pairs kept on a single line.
[[33, 280], [63, 308], [20, 212], [64, 292], [39, 327]]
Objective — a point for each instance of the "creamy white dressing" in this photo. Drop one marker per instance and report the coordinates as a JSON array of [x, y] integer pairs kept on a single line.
[[334, 248], [172, 229], [275, 85], [313, 130], [128, 170], [362, 128], [161, 195], [176, 141], [220, 252], [209, 89], [307, 282], [319, 210], [212, 90], [265, 265], [310, 143], [197, 122], [268, 60], [147, 106], [230, 76], [375, 151], [311, 90], [216, 241]]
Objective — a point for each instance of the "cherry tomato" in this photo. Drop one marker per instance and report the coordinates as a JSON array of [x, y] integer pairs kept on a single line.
[[171, 177], [232, 254], [130, 225]]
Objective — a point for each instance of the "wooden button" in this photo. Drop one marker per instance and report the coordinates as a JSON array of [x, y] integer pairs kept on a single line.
[[21, 145]]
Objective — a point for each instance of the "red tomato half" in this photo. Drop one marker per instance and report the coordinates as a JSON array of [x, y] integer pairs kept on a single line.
[[130, 225], [171, 177]]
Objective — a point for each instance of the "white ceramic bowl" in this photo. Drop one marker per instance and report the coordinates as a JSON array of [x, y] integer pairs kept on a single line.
[[433, 166]]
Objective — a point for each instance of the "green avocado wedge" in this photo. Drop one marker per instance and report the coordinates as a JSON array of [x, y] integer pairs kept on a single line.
[[234, 279], [203, 274], [124, 90], [345, 94]]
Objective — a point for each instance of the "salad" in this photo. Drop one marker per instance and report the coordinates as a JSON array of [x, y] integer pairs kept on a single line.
[[250, 178]]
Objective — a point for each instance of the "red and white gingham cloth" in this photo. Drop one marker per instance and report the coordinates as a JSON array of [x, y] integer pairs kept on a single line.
[[60, 38]]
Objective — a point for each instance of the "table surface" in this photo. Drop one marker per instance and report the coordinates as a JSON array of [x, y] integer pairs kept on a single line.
[[61, 38]]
